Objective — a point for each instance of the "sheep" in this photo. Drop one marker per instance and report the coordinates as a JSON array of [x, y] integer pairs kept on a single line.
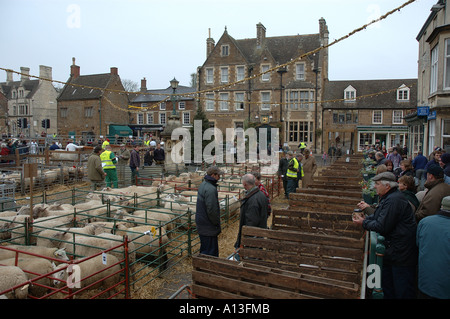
[[66, 234], [110, 226], [10, 277], [33, 267], [147, 240], [91, 271], [39, 210], [38, 250], [39, 225], [7, 213], [11, 224], [155, 215], [87, 246], [95, 209]]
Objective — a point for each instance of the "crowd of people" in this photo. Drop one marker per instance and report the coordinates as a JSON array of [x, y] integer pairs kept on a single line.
[[413, 214], [102, 163], [296, 167]]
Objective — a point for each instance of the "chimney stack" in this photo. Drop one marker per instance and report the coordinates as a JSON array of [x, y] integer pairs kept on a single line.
[[25, 73], [210, 43], [323, 31], [143, 85], [260, 35], [9, 76], [114, 71], [45, 72], [74, 70]]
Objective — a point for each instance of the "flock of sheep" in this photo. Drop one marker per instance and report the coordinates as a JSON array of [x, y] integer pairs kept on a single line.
[[45, 177], [58, 233]]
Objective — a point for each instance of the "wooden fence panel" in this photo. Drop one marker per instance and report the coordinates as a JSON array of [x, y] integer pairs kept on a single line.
[[218, 278], [327, 256]]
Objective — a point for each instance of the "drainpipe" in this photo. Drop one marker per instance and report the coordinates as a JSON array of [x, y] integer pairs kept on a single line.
[[100, 115]]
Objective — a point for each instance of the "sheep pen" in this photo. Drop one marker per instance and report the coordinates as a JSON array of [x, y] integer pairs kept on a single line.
[[159, 217]]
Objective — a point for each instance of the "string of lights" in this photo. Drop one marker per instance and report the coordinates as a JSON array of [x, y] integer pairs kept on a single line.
[[197, 94]]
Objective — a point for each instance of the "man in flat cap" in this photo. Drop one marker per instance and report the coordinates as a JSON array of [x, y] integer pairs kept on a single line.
[[437, 189], [394, 219]]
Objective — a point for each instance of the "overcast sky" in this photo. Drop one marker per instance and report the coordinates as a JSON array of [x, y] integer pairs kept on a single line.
[[160, 40]]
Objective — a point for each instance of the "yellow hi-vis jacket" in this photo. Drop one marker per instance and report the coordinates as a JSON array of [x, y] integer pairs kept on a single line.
[[292, 173], [107, 162]]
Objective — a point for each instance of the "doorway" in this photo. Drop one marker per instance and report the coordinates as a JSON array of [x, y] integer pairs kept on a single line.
[[380, 139]]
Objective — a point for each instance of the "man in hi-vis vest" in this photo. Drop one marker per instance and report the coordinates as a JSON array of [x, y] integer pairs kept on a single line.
[[291, 173], [108, 164]]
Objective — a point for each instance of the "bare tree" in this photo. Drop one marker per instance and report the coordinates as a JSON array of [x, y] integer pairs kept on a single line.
[[130, 86], [193, 80]]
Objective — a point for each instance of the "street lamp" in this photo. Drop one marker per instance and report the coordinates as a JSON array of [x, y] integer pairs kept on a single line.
[[174, 85], [316, 70], [281, 71]]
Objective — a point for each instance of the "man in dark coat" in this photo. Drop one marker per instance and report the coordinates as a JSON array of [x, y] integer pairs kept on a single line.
[[207, 216], [394, 219], [135, 163], [254, 207], [158, 155], [282, 169]]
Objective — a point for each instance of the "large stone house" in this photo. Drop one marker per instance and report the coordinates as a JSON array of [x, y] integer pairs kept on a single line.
[[151, 109], [3, 114], [30, 99], [357, 113], [237, 92], [430, 125], [91, 106]]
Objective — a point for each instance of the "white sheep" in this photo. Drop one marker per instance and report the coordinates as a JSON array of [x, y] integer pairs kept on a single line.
[[147, 239], [154, 216], [10, 277], [39, 224], [88, 246], [33, 267], [47, 236], [38, 250], [7, 213], [12, 224], [90, 271]]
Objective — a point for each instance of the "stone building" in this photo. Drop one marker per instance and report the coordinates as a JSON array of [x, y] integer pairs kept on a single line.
[[431, 123], [90, 106], [357, 113], [238, 91], [151, 109], [30, 99], [3, 114]]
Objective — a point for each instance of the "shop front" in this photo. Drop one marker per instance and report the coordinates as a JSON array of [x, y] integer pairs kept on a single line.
[[388, 136]]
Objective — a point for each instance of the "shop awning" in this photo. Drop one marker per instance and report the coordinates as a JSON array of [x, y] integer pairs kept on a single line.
[[120, 130]]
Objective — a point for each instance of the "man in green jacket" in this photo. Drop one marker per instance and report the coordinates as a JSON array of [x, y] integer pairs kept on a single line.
[[109, 161]]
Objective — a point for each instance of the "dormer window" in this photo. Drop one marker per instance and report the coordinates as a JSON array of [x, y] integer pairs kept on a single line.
[[403, 93], [350, 94], [225, 50]]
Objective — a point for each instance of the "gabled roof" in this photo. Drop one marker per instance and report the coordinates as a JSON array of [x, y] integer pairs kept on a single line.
[[29, 85], [70, 92], [161, 94], [282, 49], [334, 90]]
